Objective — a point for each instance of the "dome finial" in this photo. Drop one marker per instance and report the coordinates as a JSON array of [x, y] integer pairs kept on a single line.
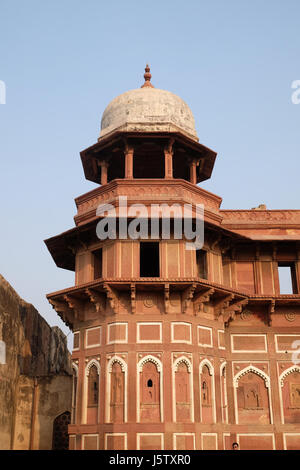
[[147, 77]]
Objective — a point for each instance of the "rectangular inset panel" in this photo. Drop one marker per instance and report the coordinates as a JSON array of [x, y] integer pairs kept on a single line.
[[76, 341], [126, 259], [216, 267], [149, 332], [256, 441], [291, 441], [110, 259], [117, 333], [184, 441], [150, 441], [173, 265], [90, 442], [115, 441], [204, 336], [93, 337], [84, 268], [80, 268], [245, 276], [249, 343], [72, 442], [221, 339], [209, 441], [189, 262], [284, 343], [267, 277], [226, 271], [181, 332]]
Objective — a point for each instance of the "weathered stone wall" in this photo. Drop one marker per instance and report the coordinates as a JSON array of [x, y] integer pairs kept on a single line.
[[36, 357]]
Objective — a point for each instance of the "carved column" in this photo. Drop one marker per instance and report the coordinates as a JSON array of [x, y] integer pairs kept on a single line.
[[168, 151], [128, 162], [104, 167], [193, 174]]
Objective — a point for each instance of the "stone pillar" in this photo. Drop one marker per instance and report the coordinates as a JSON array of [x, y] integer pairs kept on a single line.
[[168, 151], [104, 167], [128, 162], [193, 175]]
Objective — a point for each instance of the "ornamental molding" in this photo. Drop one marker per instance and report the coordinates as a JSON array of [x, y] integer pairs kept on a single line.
[[253, 369], [119, 360], [206, 362], [246, 315], [266, 216], [92, 362], [182, 360], [288, 371], [148, 301], [150, 358], [290, 316]]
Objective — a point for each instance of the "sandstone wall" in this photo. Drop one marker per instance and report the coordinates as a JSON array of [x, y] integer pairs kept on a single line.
[[37, 359]]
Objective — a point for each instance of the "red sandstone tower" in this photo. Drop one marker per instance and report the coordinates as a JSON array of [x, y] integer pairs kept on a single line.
[[176, 348]]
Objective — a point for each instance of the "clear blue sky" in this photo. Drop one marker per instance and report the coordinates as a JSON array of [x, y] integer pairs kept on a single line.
[[62, 62]]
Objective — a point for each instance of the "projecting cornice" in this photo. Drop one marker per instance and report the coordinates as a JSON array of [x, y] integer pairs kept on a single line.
[[195, 296]]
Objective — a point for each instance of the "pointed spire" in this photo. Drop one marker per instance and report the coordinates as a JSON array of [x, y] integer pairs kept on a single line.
[[147, 77]]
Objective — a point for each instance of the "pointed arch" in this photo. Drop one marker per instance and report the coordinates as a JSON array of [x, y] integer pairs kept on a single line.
[[281, 380], [254, 370], [74, 392], [286, 372], [150, 358], [183, 360], [92, 362], [113, 360], [223, 388], [261, 374], [206, 362], [89, 365], [144, 360]]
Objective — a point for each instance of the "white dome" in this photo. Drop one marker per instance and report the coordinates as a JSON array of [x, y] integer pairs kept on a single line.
[[148, 109]]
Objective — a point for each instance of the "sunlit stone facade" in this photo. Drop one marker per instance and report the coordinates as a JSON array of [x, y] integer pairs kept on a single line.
[[176, 348]]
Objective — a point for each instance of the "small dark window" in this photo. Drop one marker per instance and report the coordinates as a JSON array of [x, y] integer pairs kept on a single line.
[[149, 383], [201, 259], [149, 259], [97, 260], [287, 278]]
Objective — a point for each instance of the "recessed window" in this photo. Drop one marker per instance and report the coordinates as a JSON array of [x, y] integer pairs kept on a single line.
[[97, 260], [287, 278], [149, 259], [201, 260], [149, 383]]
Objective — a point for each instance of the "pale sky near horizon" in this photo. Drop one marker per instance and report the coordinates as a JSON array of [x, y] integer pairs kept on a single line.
[[62, 62]]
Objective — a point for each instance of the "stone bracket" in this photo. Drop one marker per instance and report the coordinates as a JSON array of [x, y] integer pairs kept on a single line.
[[62, 310], [187, 297], [167, 297], [271, 309], [75, 305], [202, 297], [111, 297], [96, 299], [223, 303], [133, 298], [230, 312]]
